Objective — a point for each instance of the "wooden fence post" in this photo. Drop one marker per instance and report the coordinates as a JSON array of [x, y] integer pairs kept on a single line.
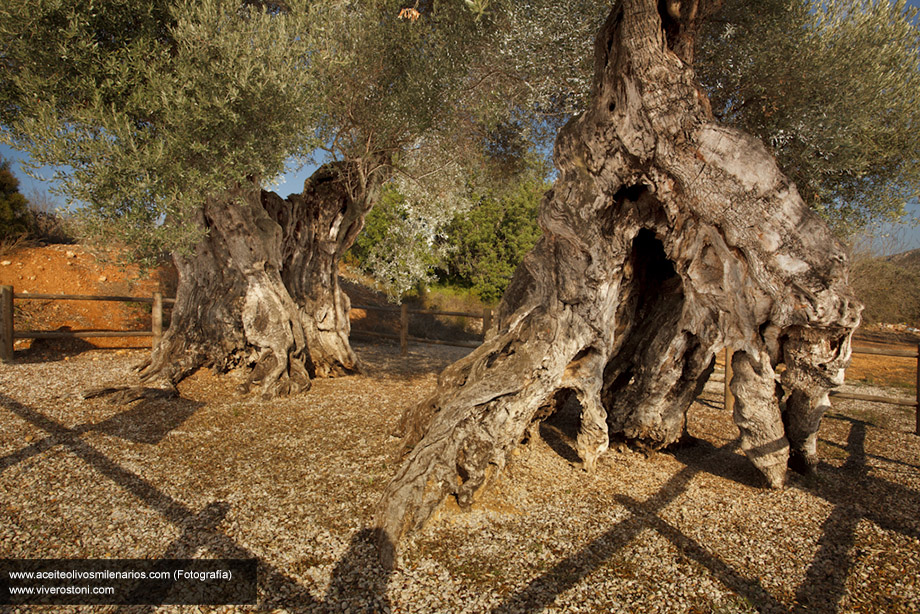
[[6, 323], [404, 330], [729, 398], [156, 319], [486, 321]]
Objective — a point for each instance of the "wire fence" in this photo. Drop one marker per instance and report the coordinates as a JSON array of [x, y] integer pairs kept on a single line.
[[405, 338]]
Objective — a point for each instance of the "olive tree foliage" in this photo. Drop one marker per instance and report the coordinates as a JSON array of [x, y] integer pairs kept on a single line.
[[530, 73], [399, 247], [150, 107], [546, 48], [396, 93], [833, 88], [147, 108]]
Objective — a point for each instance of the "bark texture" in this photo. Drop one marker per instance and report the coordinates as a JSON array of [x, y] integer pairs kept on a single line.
[[667, 237], [318, 226], [260, 292]]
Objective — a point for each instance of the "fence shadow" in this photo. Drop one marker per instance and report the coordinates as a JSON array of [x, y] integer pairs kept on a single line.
[[889, 505], [359, 582], [149, 420], [541, 592], [53, 350]]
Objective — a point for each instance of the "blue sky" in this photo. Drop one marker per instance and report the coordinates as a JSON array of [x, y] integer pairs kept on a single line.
[[290, 182], [907, 237]]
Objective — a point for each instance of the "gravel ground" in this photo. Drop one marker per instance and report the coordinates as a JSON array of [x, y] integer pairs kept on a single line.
[[294, 483]]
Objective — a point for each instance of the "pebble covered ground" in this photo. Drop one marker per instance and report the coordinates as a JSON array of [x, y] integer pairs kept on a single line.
[[294, 483]]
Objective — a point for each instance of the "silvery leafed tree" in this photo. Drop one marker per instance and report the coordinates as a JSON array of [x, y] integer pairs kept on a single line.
[[667, 237], [168, 116]]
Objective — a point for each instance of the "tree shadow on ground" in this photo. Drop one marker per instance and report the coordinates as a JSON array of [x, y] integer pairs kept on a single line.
[[53, 350], [358, 581], [889, 505], [542, 592], [149, 420]]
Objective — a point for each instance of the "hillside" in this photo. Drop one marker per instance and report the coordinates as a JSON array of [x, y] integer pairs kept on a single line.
[[74, 269], [909, 259], [889, 288]]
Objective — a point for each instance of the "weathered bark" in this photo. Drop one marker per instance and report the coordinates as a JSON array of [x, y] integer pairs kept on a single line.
[[261, 292], [666, 238], [318, 226], [232, 309]]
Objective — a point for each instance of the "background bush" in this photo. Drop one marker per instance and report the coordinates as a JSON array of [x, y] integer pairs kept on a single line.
[[14, 212], [488, 242]]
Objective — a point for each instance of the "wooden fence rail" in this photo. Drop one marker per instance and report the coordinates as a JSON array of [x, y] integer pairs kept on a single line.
[[857, 349], [404, 337], [8, 334]]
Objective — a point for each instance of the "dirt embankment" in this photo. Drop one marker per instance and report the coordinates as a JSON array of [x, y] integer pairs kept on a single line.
[[74, 269]]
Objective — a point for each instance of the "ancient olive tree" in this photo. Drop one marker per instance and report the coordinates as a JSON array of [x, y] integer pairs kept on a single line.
[[169, 115], [804, 77], [666, 238], [165, 115]]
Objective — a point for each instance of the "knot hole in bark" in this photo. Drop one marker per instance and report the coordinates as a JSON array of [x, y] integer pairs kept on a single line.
[[647, 320], [680, 20]]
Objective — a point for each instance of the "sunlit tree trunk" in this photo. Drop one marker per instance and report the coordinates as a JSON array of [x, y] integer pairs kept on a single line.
[[260, 292], [318, 226], [232, 308], [666, 238]]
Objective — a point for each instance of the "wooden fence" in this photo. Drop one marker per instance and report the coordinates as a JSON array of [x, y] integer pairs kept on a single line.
[[404, 337], [857, 349], [8, 335]]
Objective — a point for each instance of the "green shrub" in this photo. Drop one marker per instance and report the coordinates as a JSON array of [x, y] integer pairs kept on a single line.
[[14, 208], [489, 241]]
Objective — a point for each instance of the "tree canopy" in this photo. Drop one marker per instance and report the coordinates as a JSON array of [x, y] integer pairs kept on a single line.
[[833, 88], [152, 107], [148, 107]]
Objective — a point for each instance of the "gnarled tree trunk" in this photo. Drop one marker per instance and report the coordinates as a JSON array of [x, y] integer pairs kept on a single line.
[[260, 291], [232, 309], [318, 226], [667, 237]]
